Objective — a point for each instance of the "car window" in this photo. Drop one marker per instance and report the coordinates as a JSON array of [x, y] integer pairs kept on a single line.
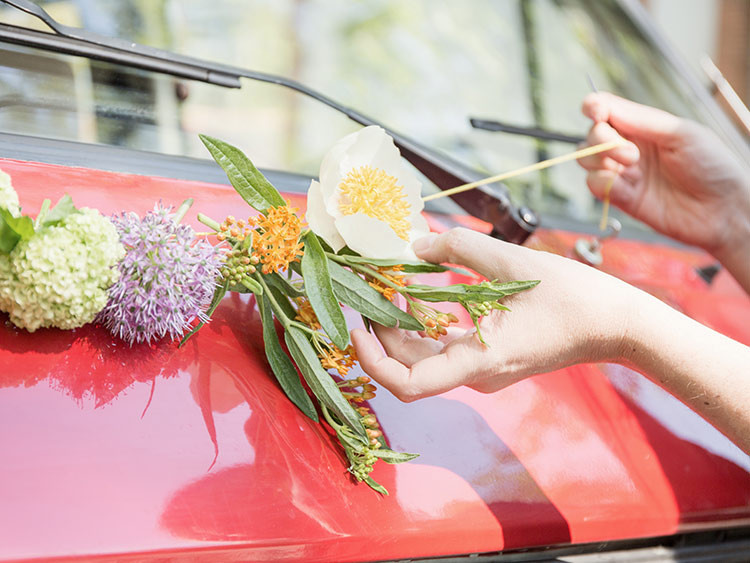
[[421, 67]]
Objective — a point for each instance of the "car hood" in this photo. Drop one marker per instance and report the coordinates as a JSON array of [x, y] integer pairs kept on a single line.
[[155, 451]]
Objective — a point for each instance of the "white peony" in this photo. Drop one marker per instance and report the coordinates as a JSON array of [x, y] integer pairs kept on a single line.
[[367, 198]]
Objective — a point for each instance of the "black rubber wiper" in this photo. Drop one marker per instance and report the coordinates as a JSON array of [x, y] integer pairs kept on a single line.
[[535, 132], [490, 203]]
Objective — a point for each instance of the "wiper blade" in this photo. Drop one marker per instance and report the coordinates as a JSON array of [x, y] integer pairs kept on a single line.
[[491, 203], [535, 132]]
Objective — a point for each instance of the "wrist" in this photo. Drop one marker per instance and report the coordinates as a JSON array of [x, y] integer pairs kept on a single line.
[[613, 320], [643, 313]]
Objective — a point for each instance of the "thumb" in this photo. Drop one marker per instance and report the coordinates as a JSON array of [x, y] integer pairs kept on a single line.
[[631, 119], [487, 256]]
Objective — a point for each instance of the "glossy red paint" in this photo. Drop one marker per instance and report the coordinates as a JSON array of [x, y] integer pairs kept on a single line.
[[107, 449]]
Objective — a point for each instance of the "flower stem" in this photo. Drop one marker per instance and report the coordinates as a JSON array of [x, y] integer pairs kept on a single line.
[[180, 214], [209, 222], [329, 419], [285, 321], [303, 327]]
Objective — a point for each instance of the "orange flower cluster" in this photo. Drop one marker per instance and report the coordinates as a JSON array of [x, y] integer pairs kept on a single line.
[[392, 275], [277, 243], [369, 420], [332, 357], [305, 313], [436, 325]]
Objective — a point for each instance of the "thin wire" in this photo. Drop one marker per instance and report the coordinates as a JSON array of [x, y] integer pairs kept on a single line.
[[588, 151]]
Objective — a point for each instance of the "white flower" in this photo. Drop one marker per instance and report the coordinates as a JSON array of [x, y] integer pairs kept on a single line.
[[59, 277], [8, 196], [367, 199]]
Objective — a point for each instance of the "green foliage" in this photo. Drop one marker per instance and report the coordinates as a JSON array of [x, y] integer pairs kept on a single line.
[[281, 365], [58, 213], [319, 289], [461, 292], [254, 188], [356, 293], [320, 381], [13, 230]]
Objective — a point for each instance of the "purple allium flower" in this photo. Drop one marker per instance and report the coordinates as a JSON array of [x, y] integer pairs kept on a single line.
[[167, 279]]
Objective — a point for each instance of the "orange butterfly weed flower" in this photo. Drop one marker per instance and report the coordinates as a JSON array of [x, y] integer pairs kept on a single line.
[[277, 242], [391, 274], [305, 314], [332, 357]]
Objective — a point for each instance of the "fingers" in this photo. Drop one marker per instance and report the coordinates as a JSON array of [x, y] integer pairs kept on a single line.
[[623, 155], [490, 257], [631, 119], [430, 376], [621, 189], [406, 347]]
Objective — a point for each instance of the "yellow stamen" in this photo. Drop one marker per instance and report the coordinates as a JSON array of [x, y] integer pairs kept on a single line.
[[373, 192]]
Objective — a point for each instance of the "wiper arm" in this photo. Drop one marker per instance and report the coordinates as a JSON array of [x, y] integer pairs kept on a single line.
[[491, 203], [535, 132]]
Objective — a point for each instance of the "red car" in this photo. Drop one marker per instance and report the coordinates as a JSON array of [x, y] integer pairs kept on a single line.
[[160, 453]]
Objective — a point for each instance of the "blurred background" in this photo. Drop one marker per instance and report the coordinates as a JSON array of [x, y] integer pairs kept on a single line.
[[422, 67], [719, 29]]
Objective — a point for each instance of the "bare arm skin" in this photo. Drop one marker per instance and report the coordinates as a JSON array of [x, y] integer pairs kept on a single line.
[[576, 315]]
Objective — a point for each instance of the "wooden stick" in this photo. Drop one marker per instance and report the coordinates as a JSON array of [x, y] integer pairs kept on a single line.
[[588, 151], [605, 203]]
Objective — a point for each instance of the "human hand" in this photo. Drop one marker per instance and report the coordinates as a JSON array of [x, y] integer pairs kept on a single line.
[[675, 175], [576, 314]]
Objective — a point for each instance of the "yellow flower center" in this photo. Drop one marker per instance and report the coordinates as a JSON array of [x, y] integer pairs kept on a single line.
[[373, 192]]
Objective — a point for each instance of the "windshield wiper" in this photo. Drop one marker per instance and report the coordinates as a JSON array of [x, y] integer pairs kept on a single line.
[[535, 132], [490, 203]]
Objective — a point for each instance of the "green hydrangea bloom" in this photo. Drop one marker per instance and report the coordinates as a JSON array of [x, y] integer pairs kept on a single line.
[[60, 276], [8, 196]]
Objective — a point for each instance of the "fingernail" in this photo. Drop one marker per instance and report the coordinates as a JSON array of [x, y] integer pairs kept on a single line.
[[424, 243]]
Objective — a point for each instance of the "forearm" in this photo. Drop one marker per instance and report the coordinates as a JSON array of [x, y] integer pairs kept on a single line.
[[704, 369]]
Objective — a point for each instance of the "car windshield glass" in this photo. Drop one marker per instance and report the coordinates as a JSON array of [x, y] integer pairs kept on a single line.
[[421, 67]]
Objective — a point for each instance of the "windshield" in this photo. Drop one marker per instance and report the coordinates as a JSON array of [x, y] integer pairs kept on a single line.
[[421, 67]]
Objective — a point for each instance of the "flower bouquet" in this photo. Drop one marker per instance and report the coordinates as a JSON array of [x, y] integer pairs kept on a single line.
[[151, 277]]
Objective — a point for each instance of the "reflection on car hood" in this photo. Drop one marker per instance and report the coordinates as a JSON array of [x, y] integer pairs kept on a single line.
[[107, 449]]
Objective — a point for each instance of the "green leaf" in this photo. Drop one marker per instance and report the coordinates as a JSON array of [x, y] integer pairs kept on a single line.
[[390, 456], [283, 285], [283, 302], [59, 212], [485, 291], [219, 293], [319, 289], [282, 367], [13, 230], [258, 192], [410, 267], [356, 293], [320, 381], [374, 485]]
